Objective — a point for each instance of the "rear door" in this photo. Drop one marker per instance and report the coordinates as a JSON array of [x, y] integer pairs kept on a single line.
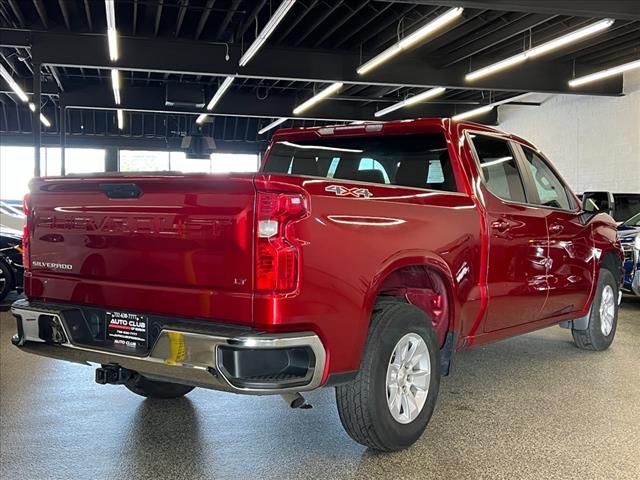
[[572, 261], [518, 244]]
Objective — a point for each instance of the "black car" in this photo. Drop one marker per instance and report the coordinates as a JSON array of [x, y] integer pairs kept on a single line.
[[11, 269]]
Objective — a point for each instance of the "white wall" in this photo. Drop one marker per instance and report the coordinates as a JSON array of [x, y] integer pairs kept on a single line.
[[593, 141]]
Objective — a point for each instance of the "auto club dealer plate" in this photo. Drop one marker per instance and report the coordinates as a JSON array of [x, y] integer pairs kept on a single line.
[[127, 330]]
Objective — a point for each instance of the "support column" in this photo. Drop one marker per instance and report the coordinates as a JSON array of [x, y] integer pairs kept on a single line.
[[63, 139], [111, 155], [35, 117]]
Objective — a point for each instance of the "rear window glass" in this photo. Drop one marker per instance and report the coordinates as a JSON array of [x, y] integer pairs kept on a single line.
[[420, 161]]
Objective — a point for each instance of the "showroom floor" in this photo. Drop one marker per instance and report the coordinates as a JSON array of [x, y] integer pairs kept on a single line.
[[530, 407]]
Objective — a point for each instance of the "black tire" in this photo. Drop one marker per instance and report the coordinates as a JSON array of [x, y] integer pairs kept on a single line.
[[146, 387], [593, 338], [362, 404], [6, 274]]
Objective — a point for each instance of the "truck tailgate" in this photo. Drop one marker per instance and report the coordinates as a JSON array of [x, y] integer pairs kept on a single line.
[[170, 245]]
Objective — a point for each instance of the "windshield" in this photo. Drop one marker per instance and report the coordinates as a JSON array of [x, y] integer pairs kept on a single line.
[[633, 221], [419, 161]]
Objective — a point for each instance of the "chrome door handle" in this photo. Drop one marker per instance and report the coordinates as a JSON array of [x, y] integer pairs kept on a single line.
[[500, 225]]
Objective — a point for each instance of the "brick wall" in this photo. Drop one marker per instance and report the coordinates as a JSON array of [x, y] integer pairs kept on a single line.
[[593, 141]]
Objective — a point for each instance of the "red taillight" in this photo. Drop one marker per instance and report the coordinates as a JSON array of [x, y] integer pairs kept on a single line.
[[26, 208], [277, 256]]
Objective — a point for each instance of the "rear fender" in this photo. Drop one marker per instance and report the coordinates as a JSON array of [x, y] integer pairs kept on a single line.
[[434, 295]]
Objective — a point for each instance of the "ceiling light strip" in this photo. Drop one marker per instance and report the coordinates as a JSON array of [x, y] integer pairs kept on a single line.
[[609, 72], [220, 92], [327, 92], [434, 92], [411, 40], [120, 115], [112, 33], [266, 32], [272, 125], [12, 84], [115, 84], [540, 49], [44, 120]]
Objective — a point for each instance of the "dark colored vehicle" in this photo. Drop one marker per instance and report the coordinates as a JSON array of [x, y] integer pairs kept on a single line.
[[630, 240], [361, 257], [621, 206], [11, 270]]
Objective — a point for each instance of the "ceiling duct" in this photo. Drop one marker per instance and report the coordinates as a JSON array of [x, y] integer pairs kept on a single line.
[[184, 95]]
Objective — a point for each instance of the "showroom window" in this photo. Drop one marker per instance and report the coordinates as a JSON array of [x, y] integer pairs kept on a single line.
[[162, 161], [16, 166], [499, 168]]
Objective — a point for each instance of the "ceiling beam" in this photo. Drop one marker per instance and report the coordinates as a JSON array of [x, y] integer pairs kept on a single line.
[[243, 104], [300, 64], [619, 9]]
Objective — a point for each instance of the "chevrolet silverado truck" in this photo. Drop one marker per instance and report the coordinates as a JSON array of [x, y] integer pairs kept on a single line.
[[362, 257]]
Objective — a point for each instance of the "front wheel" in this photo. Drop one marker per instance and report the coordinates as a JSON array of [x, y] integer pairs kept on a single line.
[[389, 404], [603, 318], [146, 387]]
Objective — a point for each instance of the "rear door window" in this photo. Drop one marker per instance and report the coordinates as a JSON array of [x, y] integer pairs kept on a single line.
[[419, 161], [499, 168]]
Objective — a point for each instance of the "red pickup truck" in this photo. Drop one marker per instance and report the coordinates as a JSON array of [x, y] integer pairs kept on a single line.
[[361, 257]]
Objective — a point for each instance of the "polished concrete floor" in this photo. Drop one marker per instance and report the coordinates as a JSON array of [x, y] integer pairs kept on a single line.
[[530, 407]]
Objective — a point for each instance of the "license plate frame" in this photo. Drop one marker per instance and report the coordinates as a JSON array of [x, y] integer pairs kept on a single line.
[[127, 331]]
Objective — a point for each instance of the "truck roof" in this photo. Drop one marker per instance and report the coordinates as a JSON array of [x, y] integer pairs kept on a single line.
[[394, 127]]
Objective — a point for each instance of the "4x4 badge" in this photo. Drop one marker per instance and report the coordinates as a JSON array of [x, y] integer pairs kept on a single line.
[[341, 191]]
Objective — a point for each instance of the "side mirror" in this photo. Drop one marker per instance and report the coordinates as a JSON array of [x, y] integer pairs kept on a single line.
[[598, 202]]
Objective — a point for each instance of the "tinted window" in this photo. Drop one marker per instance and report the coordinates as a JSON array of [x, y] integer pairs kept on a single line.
[[551, 191], [626, 206], [420, 161], [499, 168]]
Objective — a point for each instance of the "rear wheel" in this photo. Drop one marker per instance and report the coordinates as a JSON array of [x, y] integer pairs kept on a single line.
[[389, 404], [603, 318], [146, 387]]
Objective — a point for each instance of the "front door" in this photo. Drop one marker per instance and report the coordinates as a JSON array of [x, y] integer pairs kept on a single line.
[[572, 260], [518, 242]]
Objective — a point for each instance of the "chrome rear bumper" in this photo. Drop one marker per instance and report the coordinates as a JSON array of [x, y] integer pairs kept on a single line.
[[177, 356]]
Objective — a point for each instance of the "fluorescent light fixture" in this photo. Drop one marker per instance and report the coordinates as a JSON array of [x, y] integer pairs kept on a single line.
[[44, 120], [218, 95], [320, 147], [12, 83], [434, 92], [609, 72], [570, 38], [115, 84], [330, 90], [473, 113], [112, 33], [540, 49], [120, 115], [272, 125], [201, 118], [496, 67], [410, 40], [487, 108], [266, 32]]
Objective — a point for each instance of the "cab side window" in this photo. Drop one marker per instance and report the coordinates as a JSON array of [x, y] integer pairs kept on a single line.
[[499, 168], [551, 191]]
